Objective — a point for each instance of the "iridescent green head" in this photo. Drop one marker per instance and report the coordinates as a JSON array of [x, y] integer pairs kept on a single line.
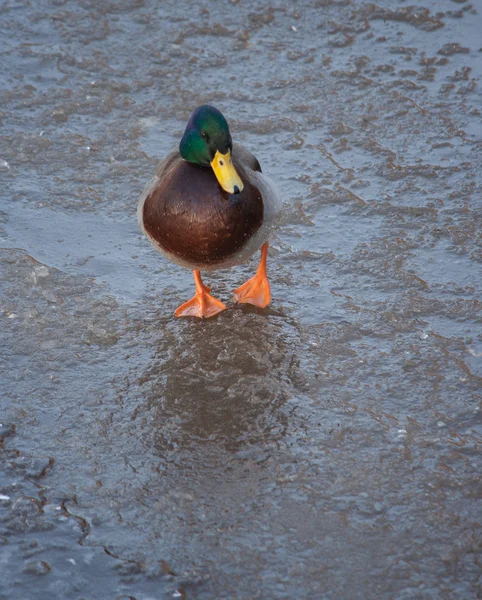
[[207, 142]]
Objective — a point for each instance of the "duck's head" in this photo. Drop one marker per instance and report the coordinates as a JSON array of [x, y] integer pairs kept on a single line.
[[207, 142]]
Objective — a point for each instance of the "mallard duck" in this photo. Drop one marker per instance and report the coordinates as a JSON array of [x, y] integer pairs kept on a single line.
[[210, 207]]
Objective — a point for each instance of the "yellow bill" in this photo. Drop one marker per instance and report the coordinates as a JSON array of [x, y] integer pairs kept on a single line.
[[225, 172]]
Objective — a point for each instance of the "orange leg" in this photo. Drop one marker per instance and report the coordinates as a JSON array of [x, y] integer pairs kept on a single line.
[[203, 305], [256, 290]]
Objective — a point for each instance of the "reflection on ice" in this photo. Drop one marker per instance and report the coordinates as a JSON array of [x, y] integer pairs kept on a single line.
[[224, 380]]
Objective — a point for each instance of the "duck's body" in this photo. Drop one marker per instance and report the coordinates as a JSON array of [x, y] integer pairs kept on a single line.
[[188, 216]]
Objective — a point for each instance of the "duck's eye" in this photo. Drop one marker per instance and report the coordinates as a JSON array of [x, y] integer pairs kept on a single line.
[[221, 163], [204, 135]]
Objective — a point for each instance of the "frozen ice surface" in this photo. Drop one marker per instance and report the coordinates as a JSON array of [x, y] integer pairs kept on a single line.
[[328, 447]]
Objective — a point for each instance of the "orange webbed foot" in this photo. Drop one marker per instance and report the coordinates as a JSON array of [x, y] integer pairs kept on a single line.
[[256, 290], [202, 305]]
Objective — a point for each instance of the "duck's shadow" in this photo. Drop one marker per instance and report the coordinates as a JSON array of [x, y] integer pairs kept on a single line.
[[224, 380]]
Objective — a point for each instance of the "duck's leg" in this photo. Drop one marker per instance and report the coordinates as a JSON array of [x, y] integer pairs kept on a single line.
[[257, 289], [202, 305]]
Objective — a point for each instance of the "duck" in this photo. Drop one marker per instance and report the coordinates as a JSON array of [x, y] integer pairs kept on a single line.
[[209, 206]]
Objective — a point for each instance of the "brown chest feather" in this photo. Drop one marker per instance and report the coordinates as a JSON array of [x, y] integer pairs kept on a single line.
[[192, 217]]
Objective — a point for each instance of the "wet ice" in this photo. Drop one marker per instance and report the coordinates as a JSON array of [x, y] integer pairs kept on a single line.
[[326, 447]]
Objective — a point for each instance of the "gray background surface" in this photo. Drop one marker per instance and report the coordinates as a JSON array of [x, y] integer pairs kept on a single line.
[[326, 448]]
